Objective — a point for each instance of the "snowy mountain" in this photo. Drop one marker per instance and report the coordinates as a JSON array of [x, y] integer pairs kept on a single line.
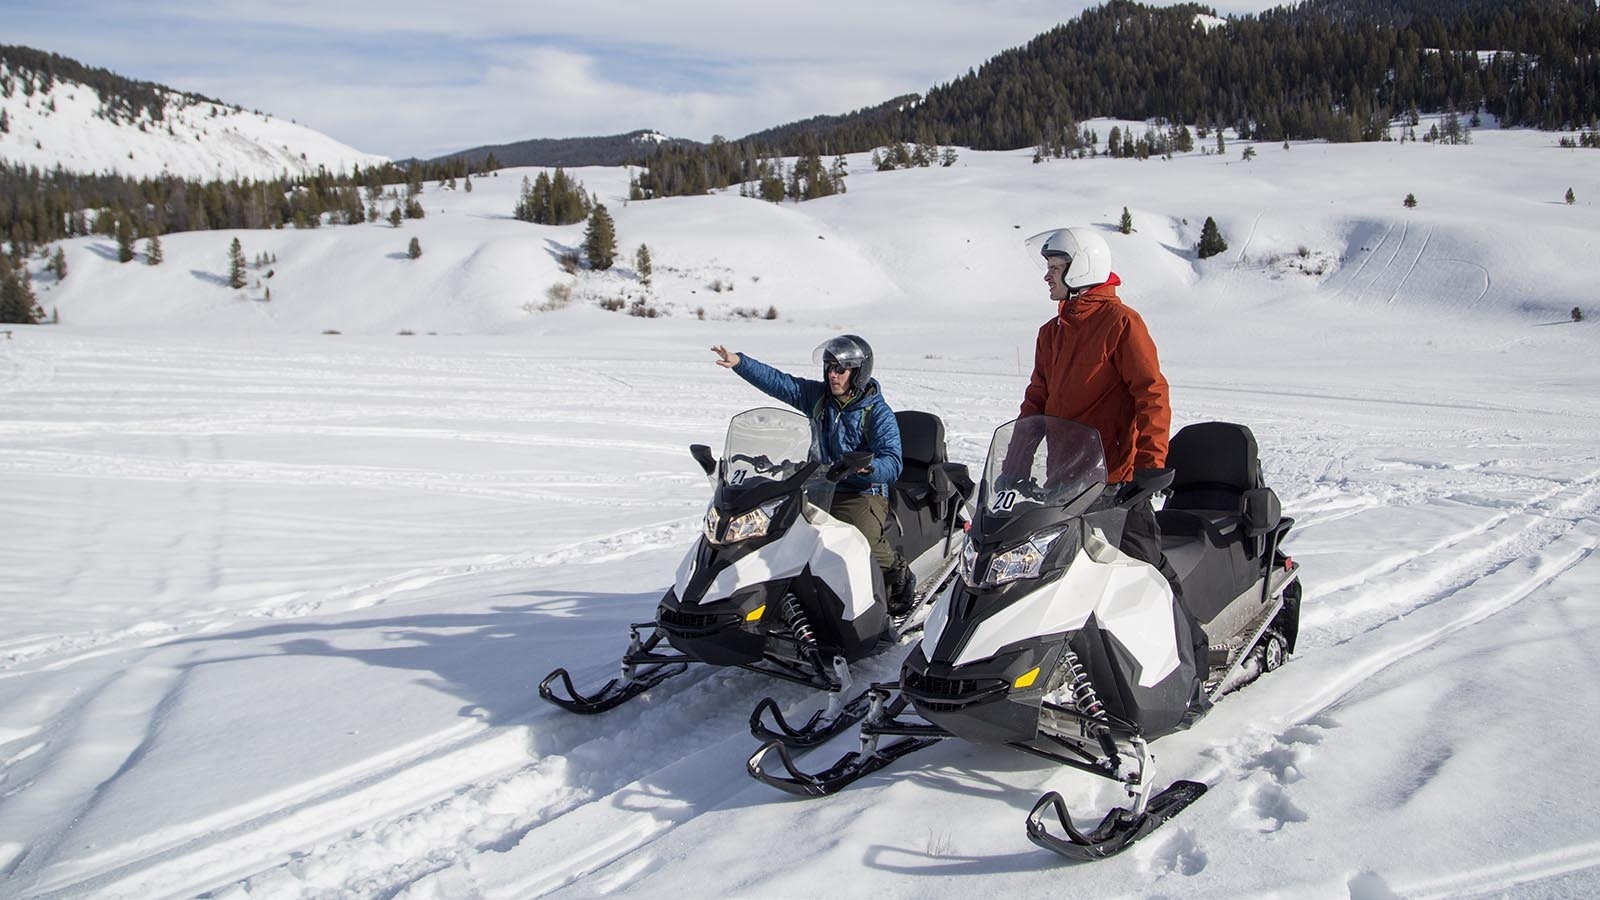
[[139, 129], [277, 600]]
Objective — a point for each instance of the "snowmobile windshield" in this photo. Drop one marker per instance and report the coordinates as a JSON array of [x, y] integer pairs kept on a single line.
[[766, 446], [1040, 461]]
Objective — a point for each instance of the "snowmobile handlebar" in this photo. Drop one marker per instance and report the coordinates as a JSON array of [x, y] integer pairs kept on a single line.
[[848, 464]]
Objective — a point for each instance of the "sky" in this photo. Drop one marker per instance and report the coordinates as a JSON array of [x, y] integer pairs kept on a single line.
[[413, 78]]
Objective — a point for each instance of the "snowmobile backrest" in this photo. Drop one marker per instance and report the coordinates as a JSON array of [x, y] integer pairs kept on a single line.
[[1216, 462], [921, 438]]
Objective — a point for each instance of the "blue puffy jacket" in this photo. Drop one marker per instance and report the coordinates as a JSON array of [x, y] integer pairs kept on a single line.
[[865, 423]]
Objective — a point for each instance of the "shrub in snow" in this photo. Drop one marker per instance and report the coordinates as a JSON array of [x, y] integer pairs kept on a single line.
[[1571, 197], [1411, 201], [1577, 314], [414, 249], [1126, 225]]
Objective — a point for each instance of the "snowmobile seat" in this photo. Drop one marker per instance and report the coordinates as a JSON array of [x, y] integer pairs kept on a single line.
[[1209, 541], [928, 496]]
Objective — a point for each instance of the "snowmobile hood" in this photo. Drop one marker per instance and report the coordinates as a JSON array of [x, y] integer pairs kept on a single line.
[[1091, 300]]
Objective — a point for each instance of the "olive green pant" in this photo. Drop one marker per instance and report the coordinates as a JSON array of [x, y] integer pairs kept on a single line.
[[869, 513]]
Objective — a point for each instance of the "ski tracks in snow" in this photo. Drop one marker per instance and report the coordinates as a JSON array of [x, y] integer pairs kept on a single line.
[[1390, 615]]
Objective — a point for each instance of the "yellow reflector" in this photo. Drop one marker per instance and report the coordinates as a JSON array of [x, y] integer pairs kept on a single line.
[[755, 614], [1026, 678]]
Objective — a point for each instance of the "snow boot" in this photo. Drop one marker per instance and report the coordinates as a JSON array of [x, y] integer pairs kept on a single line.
[[901, 586]]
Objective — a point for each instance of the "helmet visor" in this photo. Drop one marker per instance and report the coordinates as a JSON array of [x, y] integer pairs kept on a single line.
[[1046, 244], [841, 351]]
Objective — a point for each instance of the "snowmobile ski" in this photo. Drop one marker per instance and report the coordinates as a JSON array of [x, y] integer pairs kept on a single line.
[[819, 728], [851, 767], [1119, 829], [642, 669]]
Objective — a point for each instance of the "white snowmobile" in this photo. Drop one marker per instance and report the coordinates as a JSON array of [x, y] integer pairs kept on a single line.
[[778, 586], [1056, 643]]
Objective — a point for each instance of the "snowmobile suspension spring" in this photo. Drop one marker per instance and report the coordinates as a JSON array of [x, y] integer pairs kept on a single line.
[[1083, 693], [798, 623]]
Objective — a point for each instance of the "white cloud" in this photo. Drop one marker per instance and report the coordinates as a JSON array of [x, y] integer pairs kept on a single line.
[[417, 78]]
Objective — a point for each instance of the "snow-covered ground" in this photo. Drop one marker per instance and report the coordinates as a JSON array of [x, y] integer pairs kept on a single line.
[[276, 600], [68, 125]]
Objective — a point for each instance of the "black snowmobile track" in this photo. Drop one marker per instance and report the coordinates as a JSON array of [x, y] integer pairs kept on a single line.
[[1116, 831]]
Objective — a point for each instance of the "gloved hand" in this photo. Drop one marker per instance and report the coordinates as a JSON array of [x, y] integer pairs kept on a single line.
[[1022, 484], [1142, 480]]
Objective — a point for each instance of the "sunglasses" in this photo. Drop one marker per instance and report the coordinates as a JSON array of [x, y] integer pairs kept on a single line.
[[836, 369]]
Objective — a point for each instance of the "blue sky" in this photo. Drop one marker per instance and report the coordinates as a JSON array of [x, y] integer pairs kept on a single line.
[[408, 77]]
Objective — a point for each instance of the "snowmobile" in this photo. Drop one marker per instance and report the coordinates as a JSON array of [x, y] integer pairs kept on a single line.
[[1057, 643], [778, 586]]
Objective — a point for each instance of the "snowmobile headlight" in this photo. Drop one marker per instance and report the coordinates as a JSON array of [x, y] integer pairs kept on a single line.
[[1024, 560], [713, 519], [969, 561], [752, 524]]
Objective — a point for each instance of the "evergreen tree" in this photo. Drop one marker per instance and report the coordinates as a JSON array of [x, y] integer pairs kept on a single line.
[[396, 216], [1211, 242], [1126, 225], [1410, 202], [152, 250], [125, 239], [641, 264], [1577, 314], [414, 249], [236, 265], [1571, 197], [58, 264], [1222, 145], [18, 305], [600, 239]]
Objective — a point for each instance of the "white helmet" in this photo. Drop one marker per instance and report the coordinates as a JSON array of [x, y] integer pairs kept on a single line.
[[1087, 254]]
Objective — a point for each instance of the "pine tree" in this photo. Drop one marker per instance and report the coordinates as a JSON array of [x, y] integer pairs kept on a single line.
[[600, 239], [58, 264], [1410, 202], [236, 265], [18, 305], [1211, 242], [1126, 225], [1571, 197], [1577, 314], [1222, 146], [414, 249], [125, 239], [152, 250], [396, 216], [641, 264]]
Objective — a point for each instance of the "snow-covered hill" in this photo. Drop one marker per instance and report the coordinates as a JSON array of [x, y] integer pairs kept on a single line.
[[53, 122], [276, 601]]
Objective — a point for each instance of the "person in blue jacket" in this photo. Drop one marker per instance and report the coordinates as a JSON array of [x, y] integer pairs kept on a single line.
[[849, 413]]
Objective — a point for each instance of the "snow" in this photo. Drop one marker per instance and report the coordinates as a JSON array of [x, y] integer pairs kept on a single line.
[[194, 138], [277, 600]]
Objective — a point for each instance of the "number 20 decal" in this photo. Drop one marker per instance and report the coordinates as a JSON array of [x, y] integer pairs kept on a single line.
[[1004, 500]]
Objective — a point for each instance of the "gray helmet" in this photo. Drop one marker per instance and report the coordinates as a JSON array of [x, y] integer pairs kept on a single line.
[[848, 351]]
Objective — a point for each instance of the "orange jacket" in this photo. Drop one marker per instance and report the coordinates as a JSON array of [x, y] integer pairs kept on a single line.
[[1095, 363]]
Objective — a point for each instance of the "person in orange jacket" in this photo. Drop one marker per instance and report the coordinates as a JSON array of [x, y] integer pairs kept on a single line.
[[1095, 363]]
